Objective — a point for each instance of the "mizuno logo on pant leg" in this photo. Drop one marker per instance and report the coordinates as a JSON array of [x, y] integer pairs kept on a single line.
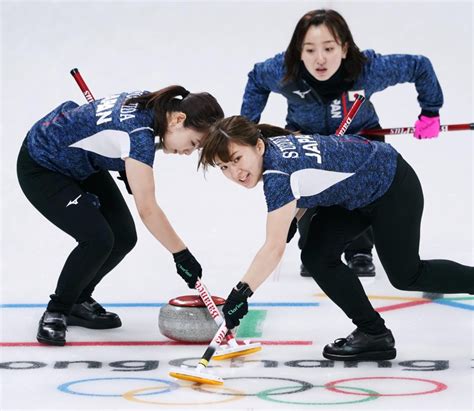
[[74, 202]]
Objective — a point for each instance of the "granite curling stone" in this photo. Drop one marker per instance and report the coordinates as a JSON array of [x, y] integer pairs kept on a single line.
[[187, 319]]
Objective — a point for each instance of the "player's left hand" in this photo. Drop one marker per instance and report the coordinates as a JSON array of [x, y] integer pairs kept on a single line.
[[426, 127]]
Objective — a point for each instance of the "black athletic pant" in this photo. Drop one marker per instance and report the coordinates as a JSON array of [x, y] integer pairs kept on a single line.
[[363, 244], [93, 212], [395, 219]]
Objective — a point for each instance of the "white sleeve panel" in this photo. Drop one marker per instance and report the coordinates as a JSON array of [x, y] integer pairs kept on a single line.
[[141, 129], [107, 143], [275, 172], [311, 181]]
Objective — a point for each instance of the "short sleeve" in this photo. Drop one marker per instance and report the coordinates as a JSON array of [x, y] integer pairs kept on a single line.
[[277, 189], [142, 145]]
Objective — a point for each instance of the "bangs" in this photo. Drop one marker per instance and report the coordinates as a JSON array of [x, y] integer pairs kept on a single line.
[[215, 149], [216, 145]]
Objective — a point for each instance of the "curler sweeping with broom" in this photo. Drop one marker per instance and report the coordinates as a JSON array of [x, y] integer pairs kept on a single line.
[[356, 183], [63, 169]]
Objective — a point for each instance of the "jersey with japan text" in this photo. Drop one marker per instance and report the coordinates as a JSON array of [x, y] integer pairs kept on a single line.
[[309, 114], [316, 170], [78, 141]]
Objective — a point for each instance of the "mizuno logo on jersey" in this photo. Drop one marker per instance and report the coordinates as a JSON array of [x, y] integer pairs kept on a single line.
[[300, 93], [74, 202]]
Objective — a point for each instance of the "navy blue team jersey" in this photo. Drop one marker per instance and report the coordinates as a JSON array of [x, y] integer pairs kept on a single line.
[[78, 141], [317, 170], [309, 114]]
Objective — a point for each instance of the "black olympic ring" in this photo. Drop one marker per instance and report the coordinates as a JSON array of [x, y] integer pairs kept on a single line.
[[305, 386]]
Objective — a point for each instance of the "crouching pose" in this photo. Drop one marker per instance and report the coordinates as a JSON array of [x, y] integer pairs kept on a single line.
[[63, 170], [319, 74], [357, 183]]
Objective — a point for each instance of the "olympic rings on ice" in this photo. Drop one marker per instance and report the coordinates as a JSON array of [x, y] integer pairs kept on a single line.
[[143, 395]]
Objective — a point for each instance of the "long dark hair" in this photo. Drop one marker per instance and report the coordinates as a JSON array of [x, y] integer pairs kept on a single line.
[[201, 109], [236, 129], [337, 26]]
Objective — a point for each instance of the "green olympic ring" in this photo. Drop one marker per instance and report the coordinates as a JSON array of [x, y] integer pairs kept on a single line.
[[266, 395]]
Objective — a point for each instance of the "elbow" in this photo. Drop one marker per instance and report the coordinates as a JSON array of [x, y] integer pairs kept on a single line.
[[425, 65], [276, 250], [146, 206], [145, 211], [279, 251]]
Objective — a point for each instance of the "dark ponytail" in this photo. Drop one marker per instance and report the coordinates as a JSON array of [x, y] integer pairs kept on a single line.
[[269, 130], [201, 109]]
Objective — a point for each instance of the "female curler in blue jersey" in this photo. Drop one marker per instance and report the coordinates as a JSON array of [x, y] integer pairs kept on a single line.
[[319, 74], [356, 183], [63, 169]]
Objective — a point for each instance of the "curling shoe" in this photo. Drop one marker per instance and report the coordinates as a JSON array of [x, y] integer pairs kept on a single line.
[[359, 346], [90, 314], [52, 329], [362, 265]]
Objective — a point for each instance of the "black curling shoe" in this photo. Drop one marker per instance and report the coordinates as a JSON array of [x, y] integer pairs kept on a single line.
[[52, 329], [90, 314], [362, 265], [359, 346]]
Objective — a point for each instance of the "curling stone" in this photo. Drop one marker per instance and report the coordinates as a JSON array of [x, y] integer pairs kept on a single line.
[[186, 318]]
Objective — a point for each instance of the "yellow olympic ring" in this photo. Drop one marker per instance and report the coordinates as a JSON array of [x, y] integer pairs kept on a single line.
[[130, 396]]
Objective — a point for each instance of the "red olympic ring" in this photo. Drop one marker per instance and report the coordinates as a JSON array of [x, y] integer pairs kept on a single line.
[[331, 386]]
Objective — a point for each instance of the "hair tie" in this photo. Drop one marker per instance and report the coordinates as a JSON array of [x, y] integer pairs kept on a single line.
[[223, 132]]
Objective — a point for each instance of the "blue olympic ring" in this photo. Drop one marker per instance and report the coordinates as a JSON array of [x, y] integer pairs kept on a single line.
[[65, 387]]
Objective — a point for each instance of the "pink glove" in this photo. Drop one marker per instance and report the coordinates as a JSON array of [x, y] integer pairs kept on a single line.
[[426, 127]]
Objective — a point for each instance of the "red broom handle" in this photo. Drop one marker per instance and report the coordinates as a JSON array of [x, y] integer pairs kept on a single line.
[[347, 120], [82, 85]]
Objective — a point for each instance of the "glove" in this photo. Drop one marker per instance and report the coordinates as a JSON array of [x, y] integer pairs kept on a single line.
[[187, 267], [291, 230], [426, 127], [236, 305], [123, 176]]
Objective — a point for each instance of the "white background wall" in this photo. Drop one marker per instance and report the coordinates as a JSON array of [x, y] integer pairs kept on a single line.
[[211, 46]]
